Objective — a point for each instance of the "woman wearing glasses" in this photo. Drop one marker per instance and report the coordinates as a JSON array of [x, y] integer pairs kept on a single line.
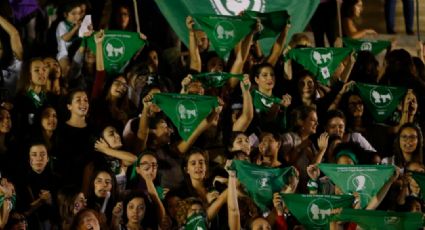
[[144, 179], [109, 96], [408, 146]]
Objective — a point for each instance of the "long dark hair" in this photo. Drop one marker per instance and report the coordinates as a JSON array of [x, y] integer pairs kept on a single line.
[[150, 219], [417, 155]]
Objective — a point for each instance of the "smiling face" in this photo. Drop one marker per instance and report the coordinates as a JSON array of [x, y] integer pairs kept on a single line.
[[5, 121], [136, 210], [408, 140], [102, 184], [265, 79], [196, 167], [38, 73], [336, 126], [49, 120], [79, 104], [38, 158], [112, 137]]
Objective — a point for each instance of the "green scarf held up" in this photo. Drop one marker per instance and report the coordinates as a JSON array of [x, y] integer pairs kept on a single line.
[[381, 101], [376, 220], [374, 46], [261, 182], [118, 48], [224, 32], [215, 80], [321, 62], [314, 211], [367, 180], [185, 111]]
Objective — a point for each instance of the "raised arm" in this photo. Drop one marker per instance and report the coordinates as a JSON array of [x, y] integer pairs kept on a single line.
[[195, 57], [242, 123], [100, 68], [377, 199], [232, 201], [212, 120], [278, 46], [15, 39], [242, 53], [126, 157]]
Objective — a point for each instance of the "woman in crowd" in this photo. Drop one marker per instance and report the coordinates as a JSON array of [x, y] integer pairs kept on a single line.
[[75, 139], [103, 195], [408, 147], [70, 201], [350, 11]]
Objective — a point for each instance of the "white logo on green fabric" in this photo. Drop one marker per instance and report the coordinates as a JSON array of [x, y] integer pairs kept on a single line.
[[264, 101], [360, 182], [115, 49], [263, 183], [224, 32], [366, 46], [187, 111], [391, 219], [381, 97], [319, 211], [234, 7], [321, 58]]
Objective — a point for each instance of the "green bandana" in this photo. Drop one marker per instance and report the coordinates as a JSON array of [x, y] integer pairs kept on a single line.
[[261, 182], [118, 48], [185, 111], [215, 80], [367, 180], [420, 179], [224, 32], [322, 62], [272, 22], [196, 222], [262, 102], [371, 220], [176, 11], [374, 47], [381, 101], [314, 211], [37, 99]]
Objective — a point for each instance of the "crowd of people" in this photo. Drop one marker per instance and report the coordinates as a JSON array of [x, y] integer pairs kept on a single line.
[[83, 148]]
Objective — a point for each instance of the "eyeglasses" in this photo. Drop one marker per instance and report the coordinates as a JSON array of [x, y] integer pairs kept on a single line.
[[120, 84], [411, 137], [147, 165]]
